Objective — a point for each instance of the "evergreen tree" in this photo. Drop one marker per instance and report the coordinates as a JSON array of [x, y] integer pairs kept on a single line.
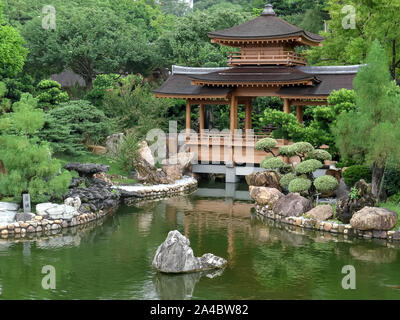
[[27, 161], [372, 131]]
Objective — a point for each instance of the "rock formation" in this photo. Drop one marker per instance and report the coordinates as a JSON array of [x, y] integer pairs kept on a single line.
[[292, 205], [265, 196], [174, 255], [320, 213], [370, 218], [348, 206], [268, 179]]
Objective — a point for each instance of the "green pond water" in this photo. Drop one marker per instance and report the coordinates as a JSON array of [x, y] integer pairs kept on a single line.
[[112, 258]]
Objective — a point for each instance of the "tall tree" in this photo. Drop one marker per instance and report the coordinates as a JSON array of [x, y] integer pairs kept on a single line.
[[372, 131], [374, 19]]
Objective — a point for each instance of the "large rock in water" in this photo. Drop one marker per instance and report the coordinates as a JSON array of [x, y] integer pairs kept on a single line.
[[370, 218], [321, 213], [183, 160], [174, 255], [268, 179], [348, 206], [265, 196], [292, 205]]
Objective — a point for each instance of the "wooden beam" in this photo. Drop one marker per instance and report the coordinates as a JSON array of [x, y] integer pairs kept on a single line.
[[234, 107], [201, 118], [188, 117], [309, 103], [286, 105], [299, 114], [248, 118]]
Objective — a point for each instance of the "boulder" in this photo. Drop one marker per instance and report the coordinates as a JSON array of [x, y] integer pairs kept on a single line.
[[265, 196], [99, 150], [24, 216], [8, 212], [86, 169], [73, 202], [173, 172], [8, 206], [174, 255], [113, 144], [348, 206], [320, 213], [55, 211], [7, 217], [144, 165], [371, 218], [268, 179], [183, 160], [337, 174], [292, 205]]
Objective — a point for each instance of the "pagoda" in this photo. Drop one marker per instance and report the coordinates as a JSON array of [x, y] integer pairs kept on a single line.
[[265, 65]]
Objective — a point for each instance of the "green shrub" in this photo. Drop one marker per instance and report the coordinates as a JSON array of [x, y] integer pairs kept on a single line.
[[266, 144], [391, 182], [299, 185], [272, 163], [101, 85], [71, 125], [326, 183], [27, 160], [286, 179], [320, 155], [301, 148], [308, 166], [355, 173], [286, 151], [50, 94]]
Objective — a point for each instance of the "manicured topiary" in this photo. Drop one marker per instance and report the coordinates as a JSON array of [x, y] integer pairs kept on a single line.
[[266, 144], [320, 155], [286, 151], [308, 166], [301, 148], [299, 185], [286, 179], [272, 163], [354, 174], [326, 183]]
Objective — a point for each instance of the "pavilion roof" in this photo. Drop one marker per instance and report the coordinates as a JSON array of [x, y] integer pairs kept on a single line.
[[327, 79], [266, 26], [265, 74]]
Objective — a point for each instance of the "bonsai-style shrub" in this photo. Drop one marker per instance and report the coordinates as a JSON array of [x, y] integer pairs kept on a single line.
[[355, 173], [298, 178], [326, 183], [70, 125], [300, 185], [308, 166], [286, 179], [50, 94]]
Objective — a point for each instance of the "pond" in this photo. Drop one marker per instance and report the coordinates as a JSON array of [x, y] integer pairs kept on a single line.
[[113, 259]]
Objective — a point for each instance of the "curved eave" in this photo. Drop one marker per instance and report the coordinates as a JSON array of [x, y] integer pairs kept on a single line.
[[237, 42], [254, 84], [190, 96]]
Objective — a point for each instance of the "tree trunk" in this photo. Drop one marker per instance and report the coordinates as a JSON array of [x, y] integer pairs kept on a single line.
[[394, 64], [2, 168], [377, 177]]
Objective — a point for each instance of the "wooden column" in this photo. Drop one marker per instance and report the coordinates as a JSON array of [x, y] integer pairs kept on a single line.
[[248, 119], [234, 114], [286, 105], [188, 117], [201, 118], [299, 113]]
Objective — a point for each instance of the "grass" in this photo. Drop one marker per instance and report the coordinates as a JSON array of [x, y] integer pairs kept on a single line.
[[392, 206], [115, 166]]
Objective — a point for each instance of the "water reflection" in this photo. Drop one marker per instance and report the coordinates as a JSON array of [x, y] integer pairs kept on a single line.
[[181, 286], [111, 258]]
